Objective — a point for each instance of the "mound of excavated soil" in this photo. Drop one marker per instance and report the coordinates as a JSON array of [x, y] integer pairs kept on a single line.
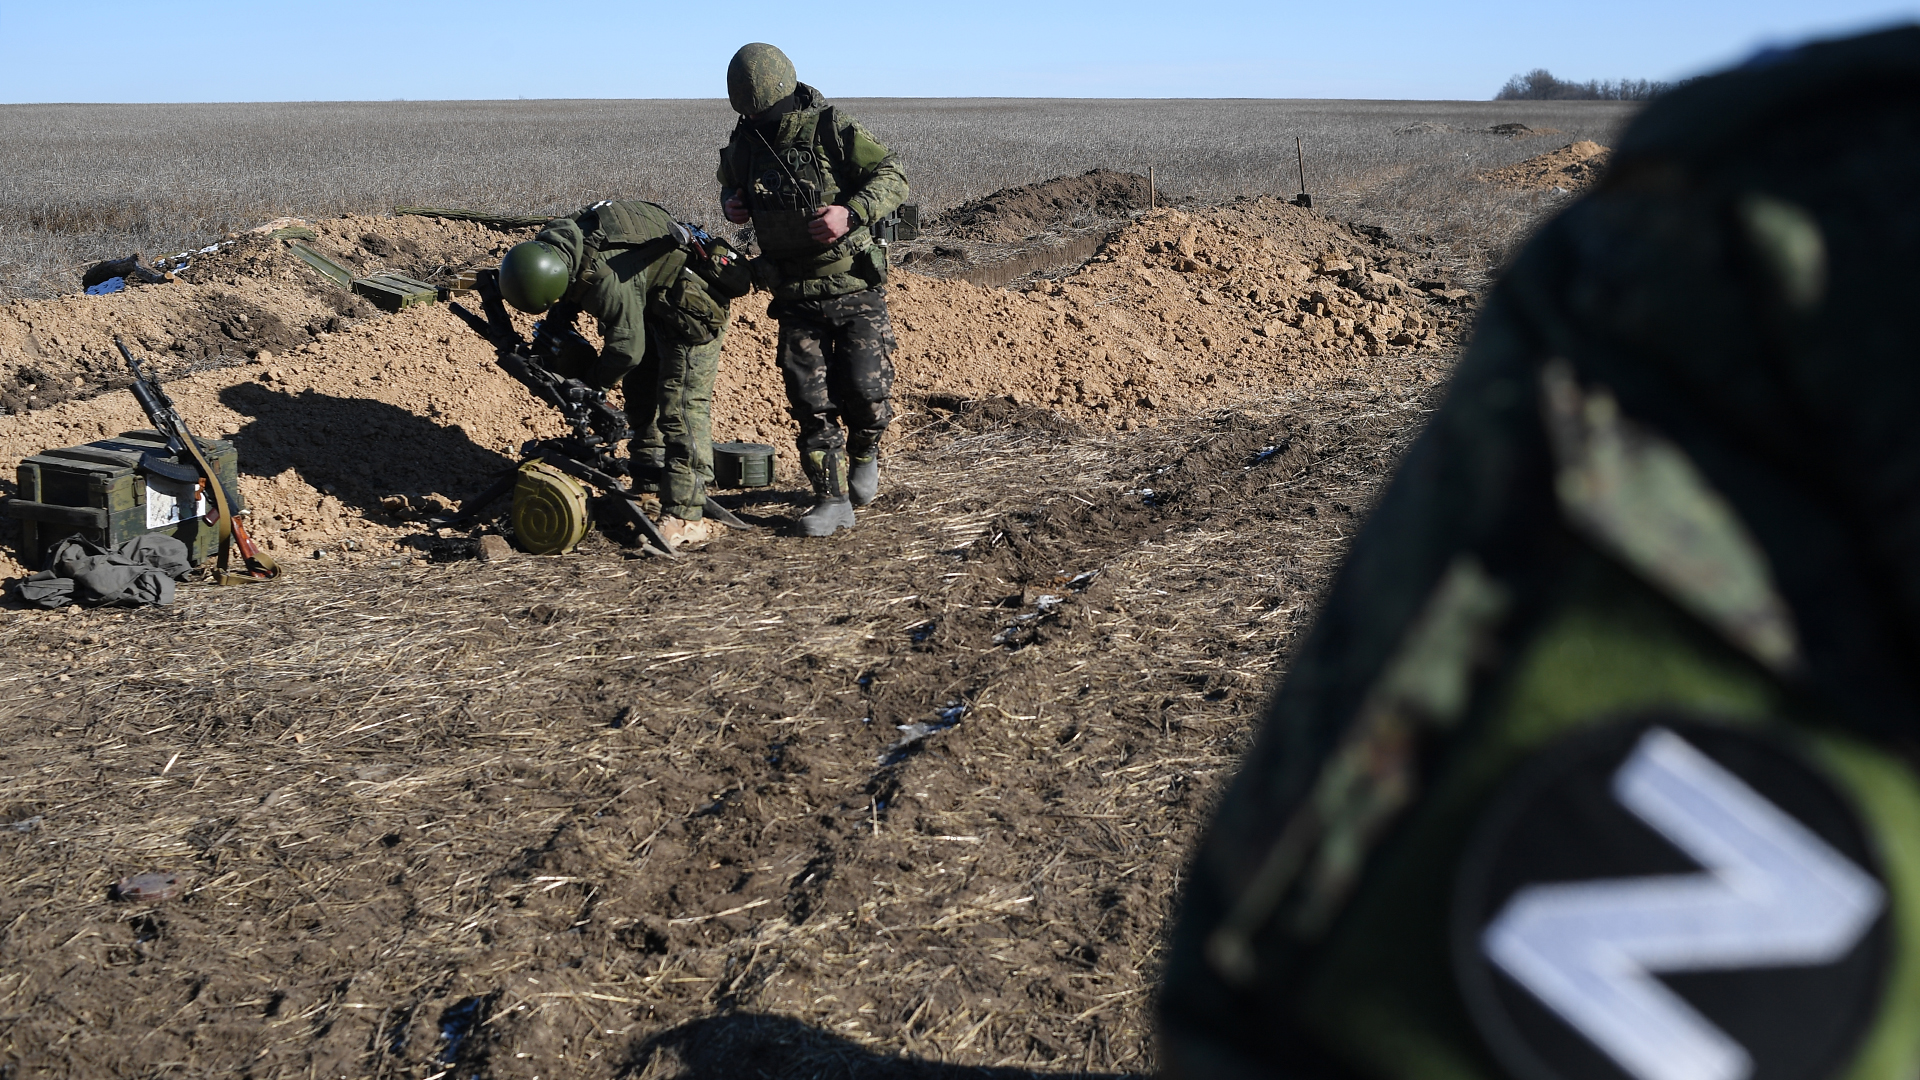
[[1570, 168], [1013, 214], [346, 419], [1521, 131], [229, 304]]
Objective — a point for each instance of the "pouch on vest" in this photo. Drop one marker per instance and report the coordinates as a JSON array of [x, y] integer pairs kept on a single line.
[[786, 234], [870, 265], [723, 269], [686, 312]]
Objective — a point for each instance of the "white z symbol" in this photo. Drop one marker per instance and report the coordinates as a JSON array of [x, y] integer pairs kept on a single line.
[[1773, 895]]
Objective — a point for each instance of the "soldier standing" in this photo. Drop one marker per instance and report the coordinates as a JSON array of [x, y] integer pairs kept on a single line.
[[811, 180], [660, 292]]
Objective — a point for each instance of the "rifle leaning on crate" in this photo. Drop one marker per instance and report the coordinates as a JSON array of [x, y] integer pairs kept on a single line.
[[166, 419], [587, 452]]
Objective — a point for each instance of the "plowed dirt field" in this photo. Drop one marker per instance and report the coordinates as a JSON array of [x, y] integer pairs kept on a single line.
[[605, 815]]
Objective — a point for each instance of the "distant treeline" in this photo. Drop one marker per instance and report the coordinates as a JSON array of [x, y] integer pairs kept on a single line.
[[1540, 85]]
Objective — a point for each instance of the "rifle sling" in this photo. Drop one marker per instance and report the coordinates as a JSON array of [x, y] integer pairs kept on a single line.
[[259, 567]]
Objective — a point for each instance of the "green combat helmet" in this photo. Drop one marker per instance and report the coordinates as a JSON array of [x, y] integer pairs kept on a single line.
[[533, 276], [758, 78]]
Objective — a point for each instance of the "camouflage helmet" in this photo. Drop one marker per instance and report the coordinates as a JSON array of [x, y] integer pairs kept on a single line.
[[533, 276], [758, 78]]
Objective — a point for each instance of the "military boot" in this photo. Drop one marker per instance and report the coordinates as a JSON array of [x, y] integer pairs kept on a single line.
[[863, 480], [645, 472], [647, 467], [832, 509], [680, 533], [863, 472]]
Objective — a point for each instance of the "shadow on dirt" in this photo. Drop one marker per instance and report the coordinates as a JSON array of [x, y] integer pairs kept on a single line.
[[779, 1048], [356, 449], [767, 507], [950, 414]]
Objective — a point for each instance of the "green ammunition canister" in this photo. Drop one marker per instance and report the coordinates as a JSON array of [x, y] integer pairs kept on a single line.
[[550, 513], [742, 465]]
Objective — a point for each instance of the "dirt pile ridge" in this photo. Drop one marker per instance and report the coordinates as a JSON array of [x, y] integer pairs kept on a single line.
[[1045, 228], [1013, 214], [1570, 168], [247, 294], [349, 423], [1179, 311]]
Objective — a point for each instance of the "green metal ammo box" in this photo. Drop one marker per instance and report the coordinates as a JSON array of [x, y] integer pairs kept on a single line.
[[99, 491], [742, 465]]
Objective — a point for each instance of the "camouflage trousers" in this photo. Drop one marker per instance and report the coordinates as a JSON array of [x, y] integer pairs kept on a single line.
[[836, 358], [670, 408]]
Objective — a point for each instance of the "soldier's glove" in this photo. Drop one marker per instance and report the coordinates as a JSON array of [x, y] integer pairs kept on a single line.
[[563, 351]]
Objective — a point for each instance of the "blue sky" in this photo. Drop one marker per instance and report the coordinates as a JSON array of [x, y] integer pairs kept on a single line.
[[218, 50]]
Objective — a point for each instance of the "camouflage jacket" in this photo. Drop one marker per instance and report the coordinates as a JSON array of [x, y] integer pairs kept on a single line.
[[816, 156], [1671, 485], [629, 271]]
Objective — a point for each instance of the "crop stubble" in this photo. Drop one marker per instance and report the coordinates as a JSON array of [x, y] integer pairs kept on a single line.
[[643, 818], [87, 182]]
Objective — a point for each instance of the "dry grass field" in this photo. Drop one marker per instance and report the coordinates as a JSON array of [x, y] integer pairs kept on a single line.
[[605, 815], [595, 817], [87, 182]]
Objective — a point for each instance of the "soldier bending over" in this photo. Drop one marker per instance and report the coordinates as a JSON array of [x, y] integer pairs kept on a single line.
[[660, 291]]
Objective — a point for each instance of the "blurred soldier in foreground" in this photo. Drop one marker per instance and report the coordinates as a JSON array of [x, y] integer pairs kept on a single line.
[[811, 180], [1600, 761], [660, 291]]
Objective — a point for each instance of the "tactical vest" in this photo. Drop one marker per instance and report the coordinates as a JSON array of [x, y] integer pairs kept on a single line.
[[636, 225], [784, 184]]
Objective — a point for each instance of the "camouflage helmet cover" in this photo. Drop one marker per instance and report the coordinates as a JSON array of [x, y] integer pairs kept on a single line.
[[758, 78], [533, 276]]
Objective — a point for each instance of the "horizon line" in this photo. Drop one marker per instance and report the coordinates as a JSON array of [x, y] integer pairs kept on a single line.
[[851, 97]]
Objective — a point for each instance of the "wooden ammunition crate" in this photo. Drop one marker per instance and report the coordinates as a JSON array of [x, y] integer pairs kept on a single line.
[[328, 269], [99, 491], [391, 292]]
